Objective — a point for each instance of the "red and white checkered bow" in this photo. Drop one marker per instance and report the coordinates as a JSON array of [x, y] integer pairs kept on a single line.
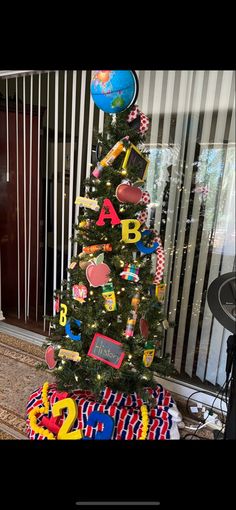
[[144, 121]]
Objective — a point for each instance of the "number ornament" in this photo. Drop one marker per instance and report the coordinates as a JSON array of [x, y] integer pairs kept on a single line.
[[65, 430], [41, 410], [144, 413]]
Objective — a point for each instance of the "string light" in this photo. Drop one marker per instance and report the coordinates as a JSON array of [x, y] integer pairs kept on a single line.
[[123, 289], [91, 292], [98, 377], [130, 356], [76, 378], [123, 172], [108, 183]]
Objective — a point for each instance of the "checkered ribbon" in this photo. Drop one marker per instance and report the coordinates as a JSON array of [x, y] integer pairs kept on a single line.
[[125, 409], [160, 263], [135, 114]]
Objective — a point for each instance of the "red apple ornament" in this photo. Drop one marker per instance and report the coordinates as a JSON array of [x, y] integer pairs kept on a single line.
[[143, 326], [128, 194], [98, 273], [49, 357]]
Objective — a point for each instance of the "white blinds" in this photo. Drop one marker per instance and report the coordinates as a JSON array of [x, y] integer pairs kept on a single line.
[[192, 183]]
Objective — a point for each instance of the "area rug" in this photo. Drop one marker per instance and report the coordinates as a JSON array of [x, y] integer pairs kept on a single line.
[[18, 379], [19, 376]]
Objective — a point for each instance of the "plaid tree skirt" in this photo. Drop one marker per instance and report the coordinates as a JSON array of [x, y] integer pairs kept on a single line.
[[124, 409]]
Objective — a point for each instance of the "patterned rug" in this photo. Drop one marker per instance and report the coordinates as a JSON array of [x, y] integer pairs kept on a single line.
[[18, 378]]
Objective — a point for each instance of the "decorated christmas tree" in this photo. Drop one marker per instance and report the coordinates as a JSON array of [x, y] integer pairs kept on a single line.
[[105, 346], [108, 329]]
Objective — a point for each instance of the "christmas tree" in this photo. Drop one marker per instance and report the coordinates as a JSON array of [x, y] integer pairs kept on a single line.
[[108, 329]]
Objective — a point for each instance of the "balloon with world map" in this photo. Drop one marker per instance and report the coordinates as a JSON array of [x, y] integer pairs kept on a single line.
[[114, 91]]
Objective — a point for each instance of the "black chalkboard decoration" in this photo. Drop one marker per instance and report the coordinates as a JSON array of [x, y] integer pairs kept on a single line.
[[136, 160], [107, 350]]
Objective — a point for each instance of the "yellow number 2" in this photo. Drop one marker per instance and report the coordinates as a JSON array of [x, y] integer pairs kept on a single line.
[[62, 320], [64, 432]]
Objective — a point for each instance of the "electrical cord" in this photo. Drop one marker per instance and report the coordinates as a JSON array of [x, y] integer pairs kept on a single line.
[[221, 390], [198, 437], [226, 403]]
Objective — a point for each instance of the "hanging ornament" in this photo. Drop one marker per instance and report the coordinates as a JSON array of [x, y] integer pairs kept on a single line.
[[128, 194], [71, 355], [79, 292], [109, 296], [72, 265], [87, 202], [146, 249], [97, 247], [57, 304], [63, 313], [129, 331], [110, 157], [130, 272], [130, 325], [160, 292], [97, 272], [138, 121], [130, 228], [84, 224], [108, 212], [165, 324], [69, 331], [148, 354], [144, 328], [50, 357], [135, 301], [83, 264]]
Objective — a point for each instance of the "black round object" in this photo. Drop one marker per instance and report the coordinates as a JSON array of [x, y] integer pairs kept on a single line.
[[221, 297], [137, 87]]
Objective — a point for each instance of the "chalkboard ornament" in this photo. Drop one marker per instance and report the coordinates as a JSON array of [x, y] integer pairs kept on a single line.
[[97, 272], [134, 159], [107, 350]]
